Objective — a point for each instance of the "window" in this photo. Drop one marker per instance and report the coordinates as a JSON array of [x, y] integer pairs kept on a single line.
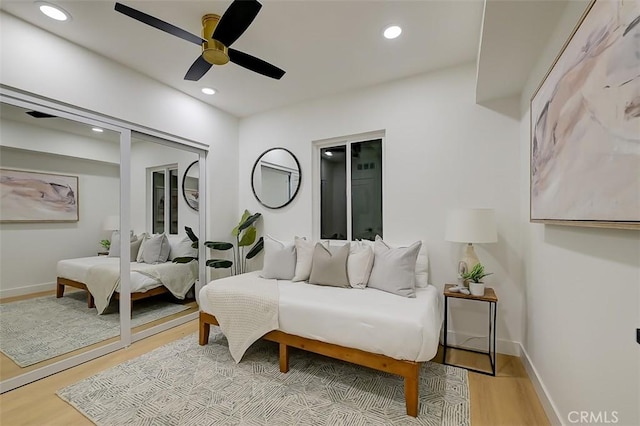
[[164, 184], [350, 188]]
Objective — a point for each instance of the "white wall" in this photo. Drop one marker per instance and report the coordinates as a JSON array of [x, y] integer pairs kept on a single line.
[[582, 295], [85, 79], [441, 151], [29, 252]]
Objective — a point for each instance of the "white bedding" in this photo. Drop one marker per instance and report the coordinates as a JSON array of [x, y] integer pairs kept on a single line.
[[78, 269], [101, 276], [370, 320], [245, 309]]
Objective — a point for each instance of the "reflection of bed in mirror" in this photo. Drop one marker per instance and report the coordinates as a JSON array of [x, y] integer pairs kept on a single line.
[[100, 277]]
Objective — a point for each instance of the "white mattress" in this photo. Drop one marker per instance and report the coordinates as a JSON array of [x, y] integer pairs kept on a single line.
[[370, 320], [77, 269]]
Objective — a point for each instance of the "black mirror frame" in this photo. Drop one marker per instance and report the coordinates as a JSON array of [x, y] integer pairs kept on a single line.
[[184, 178], [253, 171]]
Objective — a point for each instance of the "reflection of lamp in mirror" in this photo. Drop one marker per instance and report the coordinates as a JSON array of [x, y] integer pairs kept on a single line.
[[111, 223], [470, 226]]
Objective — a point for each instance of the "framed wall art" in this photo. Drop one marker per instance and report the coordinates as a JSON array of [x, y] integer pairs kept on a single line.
[[38, 197], [585, 124]]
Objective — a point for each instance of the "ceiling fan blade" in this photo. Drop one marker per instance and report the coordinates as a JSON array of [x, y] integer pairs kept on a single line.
[[236, 20], [38, 114], [197, 69], [255, 64], [159, 24]]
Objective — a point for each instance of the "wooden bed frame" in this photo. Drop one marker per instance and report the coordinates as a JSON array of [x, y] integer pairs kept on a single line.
[[410, 370], [62, 282]]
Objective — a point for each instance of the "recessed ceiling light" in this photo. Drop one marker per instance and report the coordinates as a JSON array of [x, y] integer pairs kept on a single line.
[[97, 129], [392, 31], [53, 11], [329, 154], [208, 91]]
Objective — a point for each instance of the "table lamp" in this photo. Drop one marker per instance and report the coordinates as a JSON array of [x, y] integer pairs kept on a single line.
[[470, 226], [111, 223]]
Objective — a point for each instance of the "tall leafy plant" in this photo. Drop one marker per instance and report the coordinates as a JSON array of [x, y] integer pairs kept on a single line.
[[245, 234]]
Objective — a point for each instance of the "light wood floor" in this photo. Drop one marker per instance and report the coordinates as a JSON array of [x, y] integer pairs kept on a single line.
[[9, 369], [507, 399]]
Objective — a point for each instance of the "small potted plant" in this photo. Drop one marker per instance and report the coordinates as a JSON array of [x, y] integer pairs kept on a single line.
[[475, 276], [106, 244]]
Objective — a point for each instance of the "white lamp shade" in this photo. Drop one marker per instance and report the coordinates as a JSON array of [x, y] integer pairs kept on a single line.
[[471, 226], [111, 223]]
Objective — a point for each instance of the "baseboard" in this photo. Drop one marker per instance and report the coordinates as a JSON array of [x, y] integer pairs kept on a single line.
[[547, 403], [480, 343], [29, 289]]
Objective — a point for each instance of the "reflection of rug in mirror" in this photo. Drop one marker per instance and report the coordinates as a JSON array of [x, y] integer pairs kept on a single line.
[[38, 329], [183, 383]]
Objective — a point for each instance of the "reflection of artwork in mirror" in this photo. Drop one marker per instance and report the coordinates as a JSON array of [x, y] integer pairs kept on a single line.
[[38, 197], [275, 178], [190, 183]]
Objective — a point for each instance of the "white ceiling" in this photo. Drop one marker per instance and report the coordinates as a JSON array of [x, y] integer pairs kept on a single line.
[[326, 47]]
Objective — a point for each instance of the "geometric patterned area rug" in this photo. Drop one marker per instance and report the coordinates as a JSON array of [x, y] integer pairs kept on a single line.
[[183, 383], [37, 329]]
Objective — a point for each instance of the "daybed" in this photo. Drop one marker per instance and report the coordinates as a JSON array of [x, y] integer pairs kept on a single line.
[[99, 276], [152, 270], [365, 326]]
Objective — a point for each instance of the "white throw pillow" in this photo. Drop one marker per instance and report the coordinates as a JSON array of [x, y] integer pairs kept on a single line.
[[304, 257], [279, 259], [422, 263], [180, 246], [114, 248], [359, 264], [143, 237], [394, 268], [155, 249]]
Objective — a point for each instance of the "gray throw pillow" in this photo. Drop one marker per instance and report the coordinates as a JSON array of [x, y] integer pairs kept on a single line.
[[135, 248], [279, 259], [330, 268], [155, 249], [394, 268]]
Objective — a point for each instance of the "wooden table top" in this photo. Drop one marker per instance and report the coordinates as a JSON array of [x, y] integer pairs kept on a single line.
[[489, 294]]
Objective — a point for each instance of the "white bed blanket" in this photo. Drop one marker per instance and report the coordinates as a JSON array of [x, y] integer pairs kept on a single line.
[[367, 319], [246, 307], [77, 269], [102, 280]]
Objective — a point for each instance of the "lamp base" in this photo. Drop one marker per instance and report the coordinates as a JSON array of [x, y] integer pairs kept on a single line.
[[469, 260]]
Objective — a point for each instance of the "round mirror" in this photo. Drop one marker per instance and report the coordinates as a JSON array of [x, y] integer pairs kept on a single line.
[[190, 185], [275, 178]]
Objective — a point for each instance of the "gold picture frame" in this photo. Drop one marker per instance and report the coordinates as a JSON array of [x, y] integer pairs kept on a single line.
[[585, 124], [29, 196]]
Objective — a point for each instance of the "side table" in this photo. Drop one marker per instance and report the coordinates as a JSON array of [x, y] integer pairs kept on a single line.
[[490, 298]]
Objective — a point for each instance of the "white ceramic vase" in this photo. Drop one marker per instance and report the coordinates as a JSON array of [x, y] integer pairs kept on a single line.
[[476, 289]]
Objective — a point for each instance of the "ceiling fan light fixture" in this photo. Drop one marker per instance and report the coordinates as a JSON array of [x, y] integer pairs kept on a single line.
[[53, 11], [392, 32], [208, 91]]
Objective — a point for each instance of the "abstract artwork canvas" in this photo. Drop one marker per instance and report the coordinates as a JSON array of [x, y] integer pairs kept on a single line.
[[585, 124], [37, 197]]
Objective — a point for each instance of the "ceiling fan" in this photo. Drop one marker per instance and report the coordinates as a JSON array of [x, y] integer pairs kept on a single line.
[[218, 33]]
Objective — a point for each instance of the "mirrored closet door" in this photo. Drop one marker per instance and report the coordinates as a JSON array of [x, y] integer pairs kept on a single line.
[[60, 187], [165, 268]]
